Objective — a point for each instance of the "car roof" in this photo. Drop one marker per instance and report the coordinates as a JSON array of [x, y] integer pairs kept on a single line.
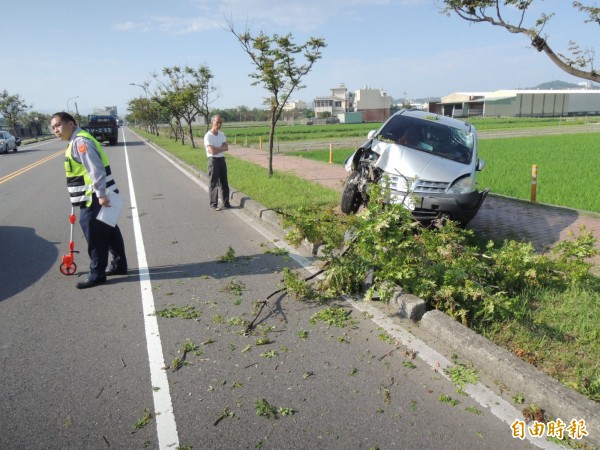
[[441, 119]]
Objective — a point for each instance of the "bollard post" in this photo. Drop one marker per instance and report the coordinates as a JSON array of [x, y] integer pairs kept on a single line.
[[246, 141], [260, 142], [533, 183], [330, 153], [235, 140]]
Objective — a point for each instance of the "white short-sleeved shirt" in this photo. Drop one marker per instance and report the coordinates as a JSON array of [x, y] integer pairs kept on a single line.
[[216, 140]]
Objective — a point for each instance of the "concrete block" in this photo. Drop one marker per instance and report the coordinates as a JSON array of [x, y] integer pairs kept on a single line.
[[407, 305]]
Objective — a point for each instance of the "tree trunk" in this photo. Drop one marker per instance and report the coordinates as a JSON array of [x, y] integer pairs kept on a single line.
[[191, 134], [271, 141]]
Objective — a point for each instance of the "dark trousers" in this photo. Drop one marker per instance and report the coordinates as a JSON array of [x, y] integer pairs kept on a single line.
[[217, 175], [102, 239]]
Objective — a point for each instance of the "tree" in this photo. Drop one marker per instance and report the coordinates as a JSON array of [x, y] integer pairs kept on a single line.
[[580, 63], [186, 93], [201, 84], [12, 107], [277, 69], [308, 113], [146, 112], [37, 122], [177, 94]]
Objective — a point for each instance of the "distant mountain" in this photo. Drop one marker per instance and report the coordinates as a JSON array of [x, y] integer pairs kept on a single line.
[[561, 85]]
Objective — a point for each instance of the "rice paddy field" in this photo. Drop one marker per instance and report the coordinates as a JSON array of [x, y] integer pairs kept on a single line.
[[567, 168]]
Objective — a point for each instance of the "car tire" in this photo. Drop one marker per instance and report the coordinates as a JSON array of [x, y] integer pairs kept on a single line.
[[5, 150], [351, 198]]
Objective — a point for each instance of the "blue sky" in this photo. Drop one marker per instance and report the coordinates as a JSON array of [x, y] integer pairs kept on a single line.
[[54, 50]]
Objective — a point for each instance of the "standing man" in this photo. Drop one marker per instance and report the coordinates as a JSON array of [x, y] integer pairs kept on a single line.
[[216, 146], [88, 180]]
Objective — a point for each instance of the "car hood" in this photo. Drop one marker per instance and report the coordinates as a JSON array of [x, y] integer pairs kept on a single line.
[[396, 159]]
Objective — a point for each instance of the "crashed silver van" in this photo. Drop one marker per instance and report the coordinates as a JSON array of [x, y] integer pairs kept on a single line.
[[429, 163]]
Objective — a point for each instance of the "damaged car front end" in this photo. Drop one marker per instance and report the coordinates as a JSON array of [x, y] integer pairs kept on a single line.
[[427, 161]]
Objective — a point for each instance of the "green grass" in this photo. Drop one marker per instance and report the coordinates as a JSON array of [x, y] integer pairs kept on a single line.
[[301, 132], [280, 192], [567, 167], [339, 154], [250, 135], [560, 336]]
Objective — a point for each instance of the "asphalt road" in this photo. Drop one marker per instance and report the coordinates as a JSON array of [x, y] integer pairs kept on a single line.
[[80, 368]]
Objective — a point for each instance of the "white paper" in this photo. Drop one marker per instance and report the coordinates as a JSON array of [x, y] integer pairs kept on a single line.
[[111, 214]]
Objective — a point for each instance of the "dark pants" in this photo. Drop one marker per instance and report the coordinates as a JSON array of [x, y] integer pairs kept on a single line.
[[101, 239], [217, 175]]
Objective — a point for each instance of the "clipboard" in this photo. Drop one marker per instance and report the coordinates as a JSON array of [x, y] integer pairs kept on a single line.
[[111, 214]]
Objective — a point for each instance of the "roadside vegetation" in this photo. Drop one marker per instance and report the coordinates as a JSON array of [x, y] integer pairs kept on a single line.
[[542, 307]]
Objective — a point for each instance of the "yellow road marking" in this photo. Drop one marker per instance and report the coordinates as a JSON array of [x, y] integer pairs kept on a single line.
[[16, 173]]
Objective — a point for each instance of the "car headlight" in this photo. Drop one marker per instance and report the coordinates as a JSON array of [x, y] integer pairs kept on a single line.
[[463, 186]]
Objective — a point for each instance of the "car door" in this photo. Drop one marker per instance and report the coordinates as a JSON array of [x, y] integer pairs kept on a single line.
[[4, 144]]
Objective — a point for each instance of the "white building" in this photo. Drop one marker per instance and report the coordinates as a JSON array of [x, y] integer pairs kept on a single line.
[[336, 103], [295, 105], [374, 104], [522, 103]]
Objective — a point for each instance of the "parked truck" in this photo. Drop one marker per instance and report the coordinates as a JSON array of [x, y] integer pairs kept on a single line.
[[103, 128]]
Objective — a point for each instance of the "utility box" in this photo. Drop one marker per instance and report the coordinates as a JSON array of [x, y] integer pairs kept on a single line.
[[351, 117]]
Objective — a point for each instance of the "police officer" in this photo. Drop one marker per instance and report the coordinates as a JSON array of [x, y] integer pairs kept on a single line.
[[88, 179]]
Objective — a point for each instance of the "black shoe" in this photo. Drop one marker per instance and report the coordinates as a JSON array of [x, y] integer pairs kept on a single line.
[[227, 205], [90, 282], [113, 271]]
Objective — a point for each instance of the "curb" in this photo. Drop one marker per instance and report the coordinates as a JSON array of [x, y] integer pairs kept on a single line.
[[504, 368], [507, 369]]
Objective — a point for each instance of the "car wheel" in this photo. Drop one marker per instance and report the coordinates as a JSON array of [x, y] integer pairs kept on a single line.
[[351, 198], [5, 150]]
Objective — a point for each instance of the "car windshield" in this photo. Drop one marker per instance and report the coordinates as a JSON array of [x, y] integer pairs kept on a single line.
[[429, 136]]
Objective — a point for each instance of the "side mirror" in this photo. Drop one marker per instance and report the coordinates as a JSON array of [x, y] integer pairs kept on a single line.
[[372, 134], [480, 164]]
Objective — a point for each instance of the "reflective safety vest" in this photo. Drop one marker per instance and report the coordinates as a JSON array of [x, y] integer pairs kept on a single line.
[[79, 183]]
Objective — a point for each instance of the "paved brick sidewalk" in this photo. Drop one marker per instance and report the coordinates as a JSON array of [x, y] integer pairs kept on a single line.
[[499, 217]]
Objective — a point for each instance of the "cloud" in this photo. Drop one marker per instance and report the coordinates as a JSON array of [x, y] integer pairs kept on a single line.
[[169, 25], [292, 15], [305, 15], [131, 26]]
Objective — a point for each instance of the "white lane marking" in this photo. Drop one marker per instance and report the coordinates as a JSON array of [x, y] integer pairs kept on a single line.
[[166, 428], [480, 393]]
